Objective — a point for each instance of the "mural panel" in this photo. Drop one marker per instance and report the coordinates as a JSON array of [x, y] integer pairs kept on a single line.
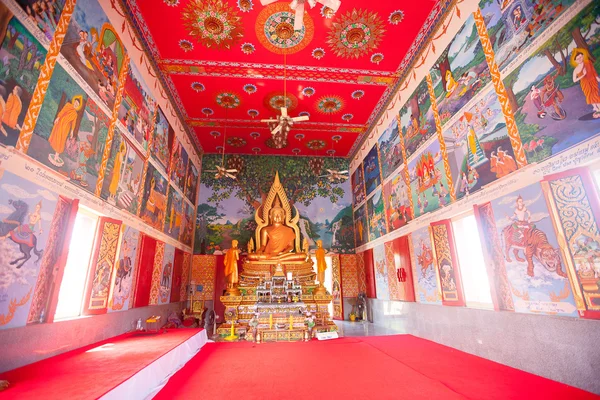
[[395, 191], [94, 49], [187, 224], [162, 140], [426, 282], [376, 211], [26, 211], [460, 72], [372, 173], [22, 57], [125, 270], [390, 149], [478, 146], [154, 198], [70, 133], [428, 182], [166, 275], [45, 14], [554, 95], [179, 164], [417, 122], [381, 273], [361, 228], [191, 183], [173, 218], [358, 186]]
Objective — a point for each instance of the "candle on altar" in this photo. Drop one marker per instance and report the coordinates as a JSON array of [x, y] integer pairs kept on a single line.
[[291, 322], [270, 321], [232, 330]]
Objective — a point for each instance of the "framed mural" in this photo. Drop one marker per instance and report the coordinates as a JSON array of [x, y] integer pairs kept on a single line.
[[427, 289], [187, 224], [162, 140], [191, 182], [554, 94], [376, 212], [138, 107], [179, 164], [166, 274], [390, 149], [447, 263], [173, 218], [26, 212], [361, 227], [45, 14], [428, 180], [371, 169], [154, 198], [398, 212], [381, 272], [460, 72], [93, 48], [123, 178], [125, 270], [478, 146], [22, 57], [417, 121], [358, 186], [70, 133]]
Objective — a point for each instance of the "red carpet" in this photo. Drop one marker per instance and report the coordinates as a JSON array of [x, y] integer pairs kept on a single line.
[[84, 374], [392, 367]]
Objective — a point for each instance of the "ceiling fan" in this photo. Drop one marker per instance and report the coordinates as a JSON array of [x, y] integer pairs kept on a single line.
[[334, 175], [298, 7], [221, 171]]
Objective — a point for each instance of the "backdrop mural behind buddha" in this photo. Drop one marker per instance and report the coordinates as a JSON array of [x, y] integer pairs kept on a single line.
[[226, 207]]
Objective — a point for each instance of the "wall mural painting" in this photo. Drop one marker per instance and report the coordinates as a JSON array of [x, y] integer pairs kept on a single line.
[[137, 109], [535, 268], [460, 72], [154, 198], [361, 228], [376, 210], [358, 186], [226, 207], [191, 182], [166, 275], [390, 149], [425, 278], [94, 49], [187, 224], [125, 270], [123, 179], [22, 57], [428, 181], [173, 218], [478, 146], [381, 272], [179, 164], [45, 14], [555, 95], [26, 212], [395, 192], [162, 140], [513, 25], [371, 169], [70, 133], [417, 122]]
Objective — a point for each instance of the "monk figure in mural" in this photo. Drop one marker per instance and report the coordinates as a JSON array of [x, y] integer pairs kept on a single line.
[[64, 127], [12, 110], [277, 239]]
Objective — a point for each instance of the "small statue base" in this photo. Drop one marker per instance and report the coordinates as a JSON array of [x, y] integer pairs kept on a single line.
[[233, 292], [320, 290]]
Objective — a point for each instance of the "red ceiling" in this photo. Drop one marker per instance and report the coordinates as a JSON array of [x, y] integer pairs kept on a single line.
[[224, 68]]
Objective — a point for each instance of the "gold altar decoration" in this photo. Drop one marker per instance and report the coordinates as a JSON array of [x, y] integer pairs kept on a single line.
[[277, 284]]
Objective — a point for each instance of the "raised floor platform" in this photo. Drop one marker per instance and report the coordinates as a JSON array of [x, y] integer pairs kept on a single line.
[[130, 366]]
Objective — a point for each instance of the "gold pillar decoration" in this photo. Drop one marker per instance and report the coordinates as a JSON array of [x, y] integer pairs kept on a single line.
[[113, 125], [511, 125], [39, 93], [406, 175], [438, 128]]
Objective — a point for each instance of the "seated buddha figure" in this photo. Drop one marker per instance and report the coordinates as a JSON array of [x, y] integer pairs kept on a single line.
[[277, 240]]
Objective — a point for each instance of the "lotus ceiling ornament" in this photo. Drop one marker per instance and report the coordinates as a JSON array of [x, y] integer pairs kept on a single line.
[[298, 7]]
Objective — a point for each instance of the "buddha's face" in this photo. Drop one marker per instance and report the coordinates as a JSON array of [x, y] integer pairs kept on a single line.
[[277, 216]]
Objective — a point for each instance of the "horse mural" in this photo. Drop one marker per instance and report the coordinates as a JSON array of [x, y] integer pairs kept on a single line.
[[21, 233]]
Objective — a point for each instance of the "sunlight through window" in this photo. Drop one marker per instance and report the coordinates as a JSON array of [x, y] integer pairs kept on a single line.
[[475, 280], [73, 284]]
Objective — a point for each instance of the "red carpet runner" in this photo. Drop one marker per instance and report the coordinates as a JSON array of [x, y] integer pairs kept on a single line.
[[389, 367], [91, 371]]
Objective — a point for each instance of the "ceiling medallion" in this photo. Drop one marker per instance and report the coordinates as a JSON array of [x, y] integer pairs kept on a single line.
[[377, 58], [215, 134], [347, 117], [207, 111], [327, 12], [254, 135], [256, 150], [213, 23], [276, 101], [318, 53], [248, 48], [299, 136], [336, 138], [172, 3], [250, 88], [219, 148], [396, 17], [316, 144], [253, 113], [186, 45], [355, 33], [197, 87], [275, 30], [245, 5], [296, 151], [228, 100], [358, 94], [236, 141], [330, 104], [308, 91], [330, 152]]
